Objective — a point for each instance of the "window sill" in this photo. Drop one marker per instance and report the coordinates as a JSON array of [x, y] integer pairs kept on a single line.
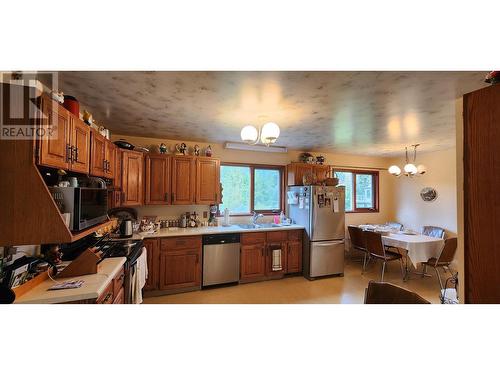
[[363, 212]]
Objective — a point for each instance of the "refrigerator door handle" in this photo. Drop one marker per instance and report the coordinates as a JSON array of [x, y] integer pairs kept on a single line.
[[327, 243]]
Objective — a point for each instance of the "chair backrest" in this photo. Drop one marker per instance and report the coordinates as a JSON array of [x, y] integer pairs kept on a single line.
[[357, 237], [374, 243], [429, 230], [449, 250], [380, 292], [394, 225]]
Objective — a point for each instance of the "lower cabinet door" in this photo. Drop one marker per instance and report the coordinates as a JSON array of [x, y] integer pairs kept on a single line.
[[294, 256], [153, 258], [253, 261], [180, 269], [120, 298]]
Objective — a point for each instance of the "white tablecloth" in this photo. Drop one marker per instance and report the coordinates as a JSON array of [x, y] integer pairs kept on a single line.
[[420, 247]]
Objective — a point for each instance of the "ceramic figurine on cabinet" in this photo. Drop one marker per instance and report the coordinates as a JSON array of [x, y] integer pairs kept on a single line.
[[181, 149], [320, 159], [208, 151], [196, 150], [163, 148]]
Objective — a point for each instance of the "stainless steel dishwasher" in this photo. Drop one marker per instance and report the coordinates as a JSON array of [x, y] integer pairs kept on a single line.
[[221, 258]]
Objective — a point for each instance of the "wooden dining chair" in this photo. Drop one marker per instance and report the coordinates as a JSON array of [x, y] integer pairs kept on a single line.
[[358, 242], [394, 225], [431, 231], [377, 250], [444, 259], [380, 292]]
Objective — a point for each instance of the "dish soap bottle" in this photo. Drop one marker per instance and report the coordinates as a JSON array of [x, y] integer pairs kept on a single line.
[[282, 218]]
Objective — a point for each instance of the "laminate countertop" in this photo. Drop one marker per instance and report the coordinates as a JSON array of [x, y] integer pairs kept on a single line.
[[92, 288], [199, 231]]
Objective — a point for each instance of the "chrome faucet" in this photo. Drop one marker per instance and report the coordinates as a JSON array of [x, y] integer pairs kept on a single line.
[[256, 217]]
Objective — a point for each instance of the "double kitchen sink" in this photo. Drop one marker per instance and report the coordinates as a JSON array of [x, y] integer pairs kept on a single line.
[[257, 226]]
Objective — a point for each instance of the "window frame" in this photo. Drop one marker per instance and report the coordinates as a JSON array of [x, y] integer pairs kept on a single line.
[[252, 167], [375, 194]]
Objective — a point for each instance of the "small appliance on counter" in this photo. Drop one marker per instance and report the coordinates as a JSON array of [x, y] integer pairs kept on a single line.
[[126, 230]]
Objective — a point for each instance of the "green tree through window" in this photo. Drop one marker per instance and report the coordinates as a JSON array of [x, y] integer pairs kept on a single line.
[[360, 190], [237, 181]]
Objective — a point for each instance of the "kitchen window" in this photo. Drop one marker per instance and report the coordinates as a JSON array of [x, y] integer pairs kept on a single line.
[[247, 188], [361, 189]]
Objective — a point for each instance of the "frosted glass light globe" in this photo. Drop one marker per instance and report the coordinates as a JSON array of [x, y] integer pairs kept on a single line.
[[270, 133], [249, 134], [410, 168], [395, 170]]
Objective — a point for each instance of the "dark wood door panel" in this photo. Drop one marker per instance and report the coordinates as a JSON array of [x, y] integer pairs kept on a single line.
[[481, 197]]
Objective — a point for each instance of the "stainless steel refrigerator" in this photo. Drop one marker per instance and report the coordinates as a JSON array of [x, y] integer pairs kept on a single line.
[[321, 210]]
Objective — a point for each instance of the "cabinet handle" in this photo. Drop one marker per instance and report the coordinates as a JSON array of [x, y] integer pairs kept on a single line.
[[173, 197], [123, 197], [166, 197], [76, 154], [69, 153], [108, 296]]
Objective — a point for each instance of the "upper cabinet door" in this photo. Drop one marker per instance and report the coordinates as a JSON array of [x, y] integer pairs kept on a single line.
[[183, 180], [207, 180], [157, 179], [55, 151], [296, 172], [322, 172], [132, 178], [109, 159], [117, 181], [97, 156], [80, 140]]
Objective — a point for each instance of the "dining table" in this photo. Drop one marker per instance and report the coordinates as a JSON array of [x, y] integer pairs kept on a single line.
[[419, 247]]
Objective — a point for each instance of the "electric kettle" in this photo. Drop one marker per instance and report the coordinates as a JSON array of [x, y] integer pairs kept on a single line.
[[126, 228]]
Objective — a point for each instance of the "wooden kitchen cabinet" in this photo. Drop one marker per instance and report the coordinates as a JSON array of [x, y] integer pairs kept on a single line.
[[157, 179], [180, 263], [183, 179], [153, 259], [55, 151], [97, 154], [253, 256], [70, 150], [132, 178], [117, 181], [296, 172], [294, 256], [109, 159], [253, 262], [80, 141], [207, 180], [322, 172]]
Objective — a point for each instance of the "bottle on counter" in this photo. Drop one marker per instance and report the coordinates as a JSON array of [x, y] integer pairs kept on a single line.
[[183, 221]]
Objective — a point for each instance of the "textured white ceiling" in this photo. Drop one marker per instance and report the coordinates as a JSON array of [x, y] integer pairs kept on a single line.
[[372, 113]]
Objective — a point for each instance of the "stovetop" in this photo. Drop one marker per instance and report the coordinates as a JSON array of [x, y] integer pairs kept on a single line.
[[131, 249]]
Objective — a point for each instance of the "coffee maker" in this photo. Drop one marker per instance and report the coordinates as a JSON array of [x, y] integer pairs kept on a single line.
[[213, 213]]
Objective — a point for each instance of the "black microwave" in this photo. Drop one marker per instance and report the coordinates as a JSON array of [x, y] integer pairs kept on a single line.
[[86, 206]]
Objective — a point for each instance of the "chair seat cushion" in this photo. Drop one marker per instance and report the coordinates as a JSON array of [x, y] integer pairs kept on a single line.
[[432, 261], [389, 255]]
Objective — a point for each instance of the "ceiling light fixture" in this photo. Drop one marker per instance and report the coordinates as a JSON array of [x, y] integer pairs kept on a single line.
[[254, 147], [268, 134], [409, 169]]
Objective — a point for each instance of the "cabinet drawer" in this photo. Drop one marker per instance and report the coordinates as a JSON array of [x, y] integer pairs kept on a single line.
[[107, 296], [251, 238], [178, 243], [118, 282], [294, 235], [276, 236]]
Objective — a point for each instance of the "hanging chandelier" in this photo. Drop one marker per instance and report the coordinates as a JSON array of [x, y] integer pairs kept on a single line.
[[409, 169], [268, 134]]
